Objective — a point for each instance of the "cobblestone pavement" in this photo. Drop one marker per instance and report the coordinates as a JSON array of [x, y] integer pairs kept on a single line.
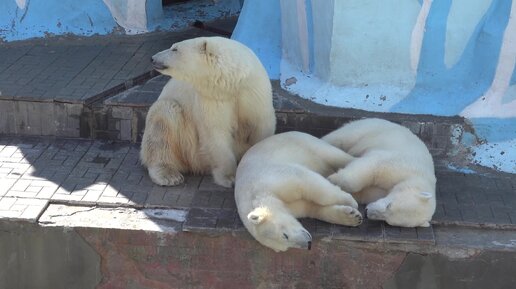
[[78, 69], [37, 171]]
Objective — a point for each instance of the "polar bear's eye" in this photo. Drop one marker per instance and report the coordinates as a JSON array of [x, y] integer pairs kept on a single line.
[[174, 49], [285, 236]]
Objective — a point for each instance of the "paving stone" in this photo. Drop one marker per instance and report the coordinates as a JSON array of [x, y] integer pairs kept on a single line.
[[211, 199], [21, 209], [208, 184], [425, 234], [5, 185], [400, 234], [211, 220], [501, 214], [439, 211], [369, 230], [17, 170], [110, 174], [175, 196], [70, 195], [201, 219], [317, 227], [452, 213], [226, 220]]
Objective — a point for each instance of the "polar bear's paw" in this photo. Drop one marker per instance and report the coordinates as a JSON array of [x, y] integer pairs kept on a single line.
[[164, 176], [348, 216], [224, 178], [339, 181]]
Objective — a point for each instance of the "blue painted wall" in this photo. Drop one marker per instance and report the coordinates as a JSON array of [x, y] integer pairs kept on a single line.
[[23, 19], [447, 91], [42, 17], [440, 57], [259, 27]]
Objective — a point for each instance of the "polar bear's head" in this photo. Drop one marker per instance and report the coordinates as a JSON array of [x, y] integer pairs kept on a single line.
[[209, 61], [277, 229], [404, 210]]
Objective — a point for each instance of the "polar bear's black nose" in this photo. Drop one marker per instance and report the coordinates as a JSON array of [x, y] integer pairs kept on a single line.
[[158, 65]]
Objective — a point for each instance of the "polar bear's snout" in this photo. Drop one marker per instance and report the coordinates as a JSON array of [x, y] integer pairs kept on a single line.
[[158, 61], [302, 240]]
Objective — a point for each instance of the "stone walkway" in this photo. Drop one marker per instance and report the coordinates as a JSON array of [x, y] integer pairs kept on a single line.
[[85, 69], [35, 172], [38, 173]]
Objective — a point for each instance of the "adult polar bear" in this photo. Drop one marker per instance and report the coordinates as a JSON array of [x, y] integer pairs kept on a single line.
[[216, 106], [283, 178], [393, 171]]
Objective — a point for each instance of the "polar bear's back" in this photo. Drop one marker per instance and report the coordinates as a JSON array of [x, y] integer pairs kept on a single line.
[[362, 136], [288, 147], [285, 149]]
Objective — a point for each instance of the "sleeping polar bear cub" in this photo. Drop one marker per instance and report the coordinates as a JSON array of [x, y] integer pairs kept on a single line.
[[393, 172], [283, 178], [216, 106]]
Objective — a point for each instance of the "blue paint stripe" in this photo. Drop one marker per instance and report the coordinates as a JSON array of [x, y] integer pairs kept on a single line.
[[310, 24], [495, 129], [444, 91]]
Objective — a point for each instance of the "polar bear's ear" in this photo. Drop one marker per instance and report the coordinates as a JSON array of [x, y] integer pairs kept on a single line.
[[425, 196], [257, 215]]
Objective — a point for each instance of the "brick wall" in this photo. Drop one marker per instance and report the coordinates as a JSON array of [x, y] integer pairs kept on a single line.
[[122, 117]]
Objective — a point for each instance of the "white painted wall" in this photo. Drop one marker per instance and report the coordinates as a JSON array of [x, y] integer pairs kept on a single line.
[[492, 104], [460, 26], [294, 32], [364, 49], [322, 13]]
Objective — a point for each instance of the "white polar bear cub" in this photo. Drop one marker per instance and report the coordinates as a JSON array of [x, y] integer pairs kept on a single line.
[[216, 106], [393, 172], [283, 178]]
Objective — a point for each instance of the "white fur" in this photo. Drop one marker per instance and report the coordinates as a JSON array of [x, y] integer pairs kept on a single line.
[[393, 172], [283, 178], [216, 106]]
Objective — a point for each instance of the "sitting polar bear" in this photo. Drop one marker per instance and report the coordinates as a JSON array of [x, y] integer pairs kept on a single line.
[[393, 172], [283, 178], [217, 105]]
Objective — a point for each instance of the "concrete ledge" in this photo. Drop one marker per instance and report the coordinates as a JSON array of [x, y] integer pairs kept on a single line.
[[87, 209], [122, 117], [160, 257]]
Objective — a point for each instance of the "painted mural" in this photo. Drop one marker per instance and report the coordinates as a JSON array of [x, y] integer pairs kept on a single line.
[[440, 57], [23, 19]]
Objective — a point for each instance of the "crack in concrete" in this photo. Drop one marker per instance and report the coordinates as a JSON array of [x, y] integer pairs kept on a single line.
[[73, 213]]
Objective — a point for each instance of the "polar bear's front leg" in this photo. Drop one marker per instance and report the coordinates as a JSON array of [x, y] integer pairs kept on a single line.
[[165, 176], [338, 214], [223, 160], [334, 156], [216, 123], [356, 176], [304, 184], [224, 175]]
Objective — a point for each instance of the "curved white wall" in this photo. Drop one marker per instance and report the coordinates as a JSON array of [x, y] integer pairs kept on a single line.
[[441, 57]]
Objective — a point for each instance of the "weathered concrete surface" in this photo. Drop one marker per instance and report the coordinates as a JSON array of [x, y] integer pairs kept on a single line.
[[486, 270], [104, 258], [35, 257], [160, 220], [192, 260]]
